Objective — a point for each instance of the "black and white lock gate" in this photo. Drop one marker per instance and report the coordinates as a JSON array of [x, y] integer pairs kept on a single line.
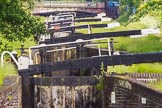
[[35, 89]]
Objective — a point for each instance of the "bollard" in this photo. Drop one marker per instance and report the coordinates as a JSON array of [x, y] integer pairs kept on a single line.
[[43, 54], [80, 50], [22, 50], [112, 46]]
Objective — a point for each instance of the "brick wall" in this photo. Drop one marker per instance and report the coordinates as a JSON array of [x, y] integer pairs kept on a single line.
[[10, 93], [123, 92]]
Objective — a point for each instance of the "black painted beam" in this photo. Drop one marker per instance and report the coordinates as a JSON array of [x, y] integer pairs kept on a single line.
[[92, 36], [79, 14], [92, 62], [77, 20], [60, 21], [67, 28], [86, 15], [98, 25], [88, 20], [65, 81], [76, 27]]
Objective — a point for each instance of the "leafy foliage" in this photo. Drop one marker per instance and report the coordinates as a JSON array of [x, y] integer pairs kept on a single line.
[[131, 3], [100, 85], [16, 21], [151, 7]]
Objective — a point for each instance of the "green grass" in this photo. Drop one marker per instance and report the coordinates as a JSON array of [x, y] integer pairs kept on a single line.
[[132, 26], [157, 85], [8, 69], [97, 22], [146, 44], [84, 31], [16, 45], [150, 43], [124, 18], [140, 68]]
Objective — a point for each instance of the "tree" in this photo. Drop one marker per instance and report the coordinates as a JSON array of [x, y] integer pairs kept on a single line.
[[152, 8], [130, 4], [17, 22]]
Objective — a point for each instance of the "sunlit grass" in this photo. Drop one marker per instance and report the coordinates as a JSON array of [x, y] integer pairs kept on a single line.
[[97, 22], [147, 44], [151, 43], [131, 26], [84, 31], [157, 85], [17, 45], [139, 68], [124, 17], [8, 69]]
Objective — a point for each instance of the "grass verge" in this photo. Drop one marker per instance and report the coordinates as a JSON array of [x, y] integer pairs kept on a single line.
[[157, 85], [8, 69], [150, 43], [140, 68]]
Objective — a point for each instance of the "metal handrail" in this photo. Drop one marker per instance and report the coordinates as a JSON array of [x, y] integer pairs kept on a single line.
[[7, 52]]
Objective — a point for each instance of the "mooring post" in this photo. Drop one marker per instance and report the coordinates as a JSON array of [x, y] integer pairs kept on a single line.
[[89, 29], [43, 53], [22, 50], [112, 46], [72, 30], [80, 50]]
